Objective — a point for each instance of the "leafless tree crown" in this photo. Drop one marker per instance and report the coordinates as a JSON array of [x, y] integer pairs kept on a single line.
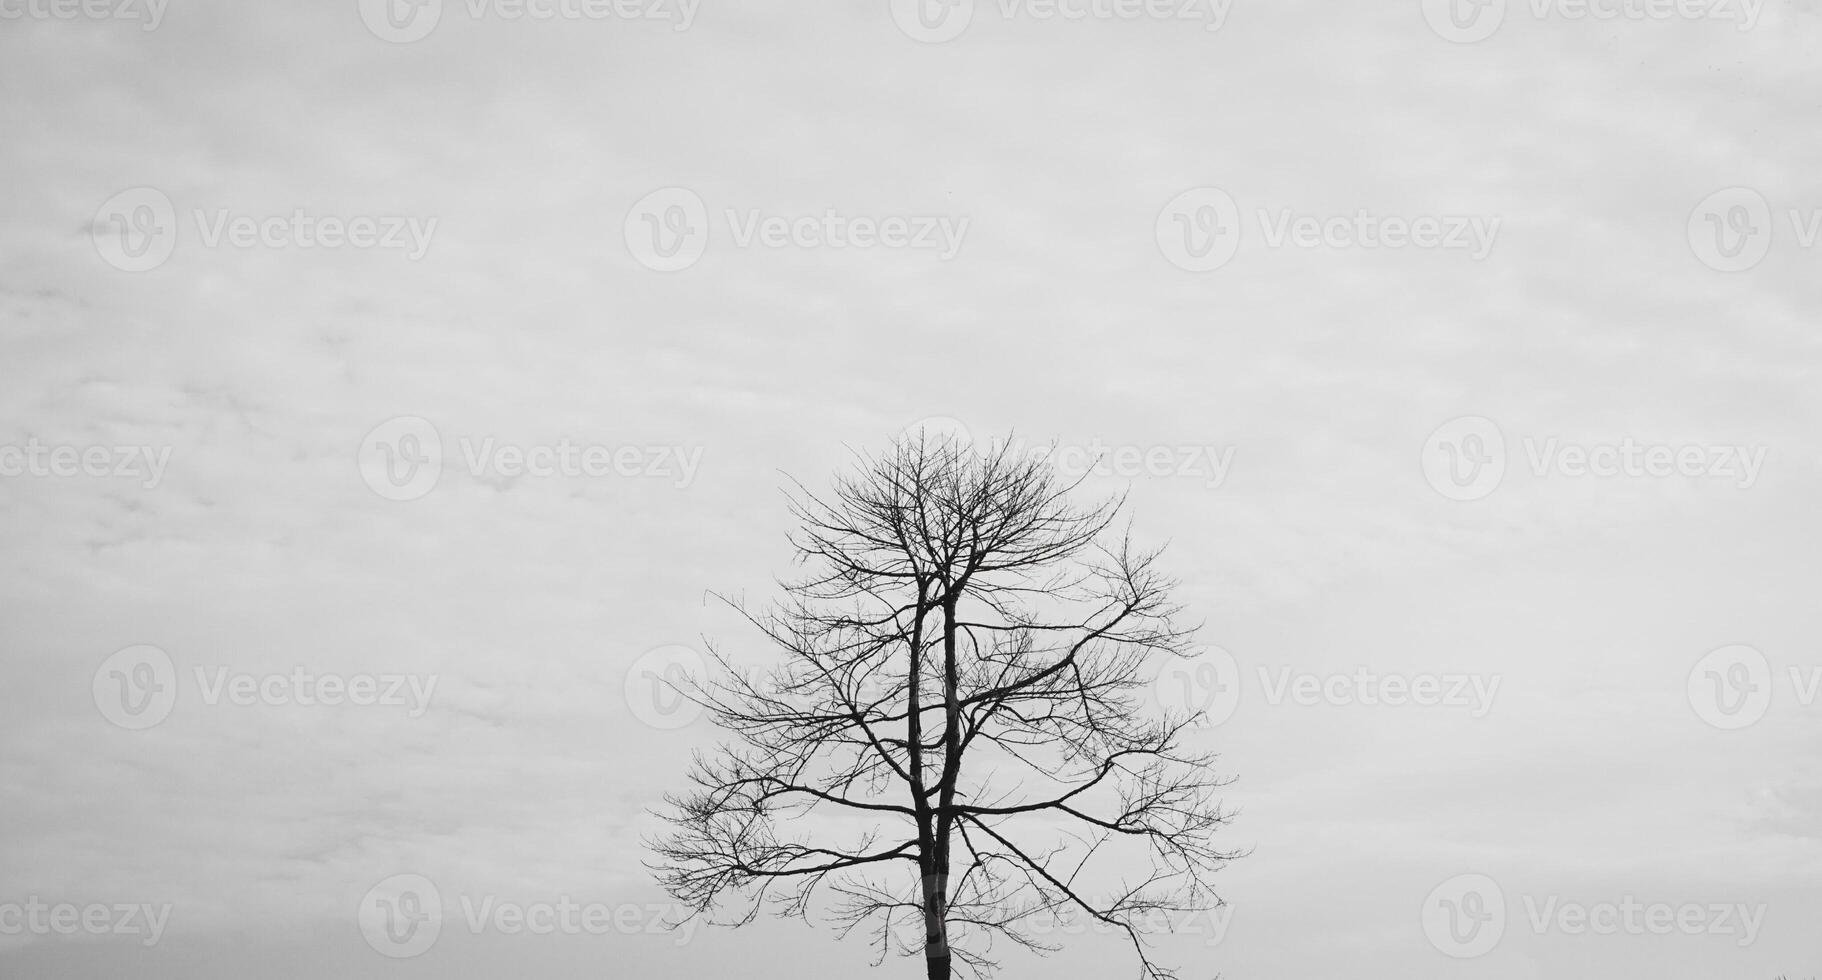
[[957, 739]]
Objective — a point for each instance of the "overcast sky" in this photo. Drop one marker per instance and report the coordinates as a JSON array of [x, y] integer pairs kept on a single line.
[[1420, 333]]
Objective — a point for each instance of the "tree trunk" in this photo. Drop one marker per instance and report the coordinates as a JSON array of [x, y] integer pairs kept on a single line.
[[936, 928]]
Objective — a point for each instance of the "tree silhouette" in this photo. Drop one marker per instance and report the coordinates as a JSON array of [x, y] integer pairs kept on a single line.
[[956, 741]]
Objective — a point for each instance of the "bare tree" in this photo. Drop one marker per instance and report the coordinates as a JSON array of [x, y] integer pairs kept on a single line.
[[956, 741]]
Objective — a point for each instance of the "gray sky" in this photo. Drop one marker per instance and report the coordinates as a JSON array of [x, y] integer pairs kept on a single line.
[[1111, 232]]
